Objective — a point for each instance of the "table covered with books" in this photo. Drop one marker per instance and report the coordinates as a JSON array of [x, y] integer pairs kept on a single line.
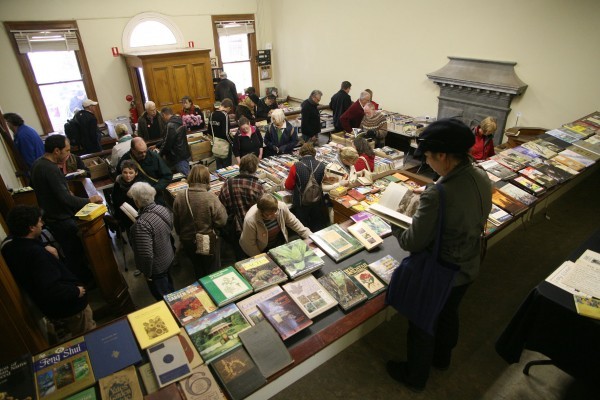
[[548, 322]]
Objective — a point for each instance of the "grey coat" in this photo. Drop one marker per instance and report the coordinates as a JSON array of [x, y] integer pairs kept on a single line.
[[468, 204]]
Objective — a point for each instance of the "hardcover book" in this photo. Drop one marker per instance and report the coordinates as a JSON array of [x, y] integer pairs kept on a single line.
[[526, 152], [170, 392], [498, 216], [266, 348], [590, 146], [516, 193], [122, 385], [508, 161], [542, 148], [569, 162], [261, 271], [538, 177], [91, 211], [367, 281], [310, 296], [153, 324], [112, 348], [169, 361], [296, 258], [591, 119], [336, 242], [148, 378], [528, 185], [580, 154], [398, 203], [365, 235], [238, 374], [284, 315], [16, 379], [546, 167], [189, 349], [63, 370], [226, 286], [493, 167], [217, 332], [87, 394], [384, 268], [190, 303], [201, 385], [557, 142], [555, 163], [569, 137], [249, 308], [507, 203], [343, 289], [376, 223]]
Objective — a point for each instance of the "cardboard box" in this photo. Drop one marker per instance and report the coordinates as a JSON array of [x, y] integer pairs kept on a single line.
[[200, 150], [97, 166]]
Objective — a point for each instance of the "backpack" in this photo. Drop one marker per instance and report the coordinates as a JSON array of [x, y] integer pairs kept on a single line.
[[73, 130], [312, 193]]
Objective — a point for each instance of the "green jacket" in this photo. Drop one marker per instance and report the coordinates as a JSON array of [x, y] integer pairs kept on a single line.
[[468, 204]]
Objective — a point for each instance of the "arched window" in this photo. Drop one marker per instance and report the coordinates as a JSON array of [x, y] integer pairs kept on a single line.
[[151, 31]]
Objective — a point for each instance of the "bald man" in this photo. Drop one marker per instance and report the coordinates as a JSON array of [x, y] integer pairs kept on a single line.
[[152, 168]]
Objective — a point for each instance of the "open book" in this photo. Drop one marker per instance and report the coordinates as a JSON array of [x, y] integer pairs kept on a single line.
[[397, 205], [129, 211]]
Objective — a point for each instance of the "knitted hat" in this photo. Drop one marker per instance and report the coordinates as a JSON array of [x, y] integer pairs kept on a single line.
[[445, 136]]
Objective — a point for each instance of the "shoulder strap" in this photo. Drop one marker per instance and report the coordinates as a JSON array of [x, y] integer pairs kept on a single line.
[[187, 199], [366, 163], [441, 219], [137, 164]]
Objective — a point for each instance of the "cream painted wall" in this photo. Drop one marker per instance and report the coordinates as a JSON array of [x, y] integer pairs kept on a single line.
[[390, 45]]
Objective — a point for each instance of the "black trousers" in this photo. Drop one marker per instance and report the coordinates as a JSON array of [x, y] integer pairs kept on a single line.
[[203, 265], [424, 349], [314, 218], [66, 234]]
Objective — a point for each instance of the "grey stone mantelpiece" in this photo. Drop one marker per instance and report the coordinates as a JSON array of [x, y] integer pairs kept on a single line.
[[472, 89]]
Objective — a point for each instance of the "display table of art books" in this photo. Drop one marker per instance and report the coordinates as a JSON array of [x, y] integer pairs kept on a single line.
[[248, 330]]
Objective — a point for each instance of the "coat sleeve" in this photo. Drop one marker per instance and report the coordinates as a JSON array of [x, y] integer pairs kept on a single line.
[[219, 214], [248, 239], [236, 145], [290, 182], [143, 247], [178, 212], [330, 179], [421, 232], [165, 175], [288, 147]]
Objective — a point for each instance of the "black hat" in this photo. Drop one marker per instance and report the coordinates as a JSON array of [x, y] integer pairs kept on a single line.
[[445, 136], [255, 99]]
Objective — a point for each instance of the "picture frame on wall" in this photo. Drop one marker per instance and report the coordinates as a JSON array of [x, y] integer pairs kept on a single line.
[[214, 63], [265, 72]]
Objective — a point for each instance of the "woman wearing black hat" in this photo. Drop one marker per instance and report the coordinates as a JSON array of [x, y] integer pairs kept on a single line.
[[468, 199]]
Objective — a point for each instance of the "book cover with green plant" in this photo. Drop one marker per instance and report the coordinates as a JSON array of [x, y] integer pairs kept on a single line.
[[296, 258], [343, 289]]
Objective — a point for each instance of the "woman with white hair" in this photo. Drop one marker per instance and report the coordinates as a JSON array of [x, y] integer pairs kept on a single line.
[[282, 137], [151, 240], [341, 171]]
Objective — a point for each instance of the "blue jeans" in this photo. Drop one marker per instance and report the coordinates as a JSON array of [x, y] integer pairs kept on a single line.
[[161, 285], [182, 166]]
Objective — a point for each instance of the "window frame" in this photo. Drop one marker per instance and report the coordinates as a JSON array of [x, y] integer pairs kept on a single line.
[[155, 17], [27, 69]]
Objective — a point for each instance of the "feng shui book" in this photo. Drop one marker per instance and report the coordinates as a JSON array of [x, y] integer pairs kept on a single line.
[[153, 324], [296, 258], [384, 268], [365, 235], [201, 385], [498, 216], [121, 385], [169, 361], [217, 332], [249, 308], [148, 378], [507, 203], [284, 315], [310, 296], [343, 289], [112, 348], [361, 275], [336, 242], [63, 370], [189, 349], [87, 394], [190, 303], [16, 379], [266, 348], [497, 169], [539, 177], [238, 374], [226, 286], [528, 185], [170, 392], [261, 271], [516, 193], [376, 223]]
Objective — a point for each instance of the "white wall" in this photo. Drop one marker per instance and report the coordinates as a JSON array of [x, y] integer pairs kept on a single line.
[[390, 45]]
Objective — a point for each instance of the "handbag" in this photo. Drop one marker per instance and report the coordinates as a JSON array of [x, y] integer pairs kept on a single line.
[[367, 178], [220, 147], [205, 243], [420, 286]]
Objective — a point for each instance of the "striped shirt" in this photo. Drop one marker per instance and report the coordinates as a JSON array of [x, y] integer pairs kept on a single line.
[[151, 240]]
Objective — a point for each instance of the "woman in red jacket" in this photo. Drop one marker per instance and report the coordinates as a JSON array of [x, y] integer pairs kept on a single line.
[[366, 156], [484, 139]]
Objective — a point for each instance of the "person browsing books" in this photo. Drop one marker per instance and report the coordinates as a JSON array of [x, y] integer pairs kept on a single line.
[[366, 155], [310, 124], [375, 121], [123, 182], [352, 117], [150, 125], [247, 140], [341, 171], [174, 148], [339, 103], [219, 128], [266, 226], [282, 137], [484, 139], [468, 201], [191, 114]]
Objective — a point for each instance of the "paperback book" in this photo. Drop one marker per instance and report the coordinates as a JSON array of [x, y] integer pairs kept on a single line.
[[238, 374], [507, 203], [557, 164], [249, 308], [190, 303], [365, 235], [201, 385], [582, 155], [498, 216], [516, 193], [343, 289], [153, 324], [16, 379], [593, 148], [384, 268], [376, 223], [112, 348], [226, 286], [91, 211], [569, 162], [583, 130], [310, 296], [284, 315], [261, 271], [569, 137], [296, 258], [361, 275], [495, 168], [217, 332], [557, 142], [591, 119], [587, 306], [546, 168], [542, 148], [336, 242], [528, 186], [527, 152], [169, 361], [538, 177], [266, 348], [63, 370], [121, 385]]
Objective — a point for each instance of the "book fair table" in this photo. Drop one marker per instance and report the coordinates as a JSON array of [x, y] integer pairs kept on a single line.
[[547, 322]]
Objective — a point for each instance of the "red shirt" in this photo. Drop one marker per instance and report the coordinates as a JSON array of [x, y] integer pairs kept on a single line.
[[359, 165], [483, 147]]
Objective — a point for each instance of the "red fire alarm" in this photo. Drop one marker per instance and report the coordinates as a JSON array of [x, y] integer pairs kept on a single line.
[[191, 44], [115, 51]]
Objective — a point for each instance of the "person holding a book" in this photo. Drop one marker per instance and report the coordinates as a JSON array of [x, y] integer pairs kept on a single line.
[[366, 155], [266, 226], [484, 139], [38, 270], [375, 121], [282, 137], [341, 171], [151, 240], [199, 211], [468, 200], [247, 140], [123, 182]]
